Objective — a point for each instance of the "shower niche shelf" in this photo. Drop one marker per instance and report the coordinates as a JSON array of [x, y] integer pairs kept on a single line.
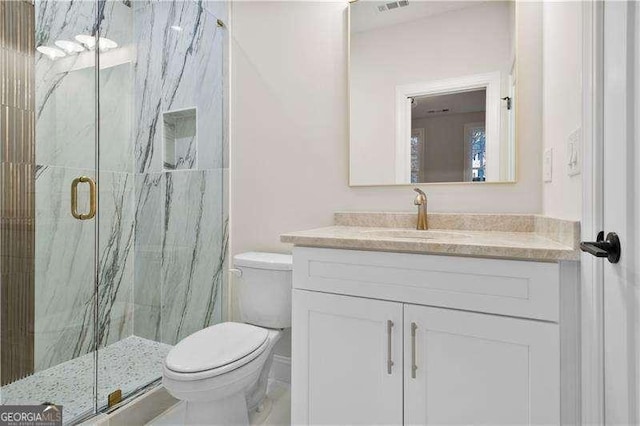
[[180, 139]]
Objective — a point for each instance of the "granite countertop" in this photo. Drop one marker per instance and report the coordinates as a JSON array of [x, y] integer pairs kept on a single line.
[[524, 237]]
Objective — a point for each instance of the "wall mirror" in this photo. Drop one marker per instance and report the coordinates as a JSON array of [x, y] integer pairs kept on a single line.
[[432, 92]]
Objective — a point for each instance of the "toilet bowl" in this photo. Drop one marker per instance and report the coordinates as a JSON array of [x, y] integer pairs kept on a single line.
[[221, 372]]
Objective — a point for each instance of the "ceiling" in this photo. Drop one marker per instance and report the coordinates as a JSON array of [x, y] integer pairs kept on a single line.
[[456, 103], [365, 15]]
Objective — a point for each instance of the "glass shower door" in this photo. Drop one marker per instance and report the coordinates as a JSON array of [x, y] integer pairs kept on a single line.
[[49, 200], [126, 363], [112, 108], [162, 222]]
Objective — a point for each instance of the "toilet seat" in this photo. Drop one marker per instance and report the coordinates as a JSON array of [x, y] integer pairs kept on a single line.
[[216, 350]]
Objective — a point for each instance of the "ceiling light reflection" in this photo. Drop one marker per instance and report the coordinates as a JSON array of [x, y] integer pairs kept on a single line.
[[106, 44], [52, 53], [87, 40], [70, 47]]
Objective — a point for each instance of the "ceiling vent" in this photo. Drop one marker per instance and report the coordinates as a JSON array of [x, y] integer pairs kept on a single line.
[[393, 5]]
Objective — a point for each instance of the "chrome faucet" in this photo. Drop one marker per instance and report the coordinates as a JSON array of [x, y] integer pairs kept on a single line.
[[421, 202]]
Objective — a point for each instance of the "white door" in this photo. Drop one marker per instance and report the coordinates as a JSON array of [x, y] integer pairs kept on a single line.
[[348, 360], [465, 368], [621, 212]]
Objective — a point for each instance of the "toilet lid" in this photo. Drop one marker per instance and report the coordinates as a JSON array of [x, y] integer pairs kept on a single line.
[[215, 346]]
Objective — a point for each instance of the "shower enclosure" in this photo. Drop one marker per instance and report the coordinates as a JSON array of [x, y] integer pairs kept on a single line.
[[113, 235]]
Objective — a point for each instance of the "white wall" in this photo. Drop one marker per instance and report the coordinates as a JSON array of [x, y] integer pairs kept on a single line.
[[289, 150], [289, 128], [463, 42], [562, 103]]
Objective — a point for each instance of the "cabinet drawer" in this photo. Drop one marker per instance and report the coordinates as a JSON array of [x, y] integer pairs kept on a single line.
[[506, 287]]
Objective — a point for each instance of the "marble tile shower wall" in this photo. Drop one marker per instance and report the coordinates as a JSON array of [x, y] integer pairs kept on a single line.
[[181, 232], [163, 234]]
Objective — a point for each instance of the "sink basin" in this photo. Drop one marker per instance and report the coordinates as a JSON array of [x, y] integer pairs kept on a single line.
[[418, 235]]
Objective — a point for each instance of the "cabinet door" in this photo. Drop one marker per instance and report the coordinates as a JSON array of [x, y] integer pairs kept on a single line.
[[469, 368], [341, 351]]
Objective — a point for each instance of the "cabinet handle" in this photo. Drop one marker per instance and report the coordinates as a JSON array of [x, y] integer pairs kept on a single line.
[[389, 361], [414, 367]]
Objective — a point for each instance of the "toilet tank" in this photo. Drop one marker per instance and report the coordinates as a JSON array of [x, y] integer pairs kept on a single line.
[[263, 288]]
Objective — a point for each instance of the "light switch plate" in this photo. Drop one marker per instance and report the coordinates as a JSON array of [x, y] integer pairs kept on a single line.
[[547, 165], [574, 153]]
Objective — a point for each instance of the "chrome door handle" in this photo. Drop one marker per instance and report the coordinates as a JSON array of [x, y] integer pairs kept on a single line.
[[389, 361], [414, 367], [74, 198]]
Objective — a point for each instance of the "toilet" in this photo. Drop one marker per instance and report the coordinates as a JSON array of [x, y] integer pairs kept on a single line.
[[221, 372]]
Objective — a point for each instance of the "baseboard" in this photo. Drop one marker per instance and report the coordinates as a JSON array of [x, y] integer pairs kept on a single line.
[[281, 368], [151, 404], [139, 411]]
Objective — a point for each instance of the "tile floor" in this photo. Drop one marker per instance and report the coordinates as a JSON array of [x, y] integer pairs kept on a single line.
[[128, 364], [279, 398]]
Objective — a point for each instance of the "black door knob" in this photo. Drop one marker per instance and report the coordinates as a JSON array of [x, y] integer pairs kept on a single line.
[[609, 247]]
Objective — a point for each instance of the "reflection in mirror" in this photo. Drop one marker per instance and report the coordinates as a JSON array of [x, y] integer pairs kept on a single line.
[[454, 124], [432, 91]]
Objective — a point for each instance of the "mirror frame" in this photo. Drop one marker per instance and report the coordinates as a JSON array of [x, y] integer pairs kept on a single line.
[[397, 124]]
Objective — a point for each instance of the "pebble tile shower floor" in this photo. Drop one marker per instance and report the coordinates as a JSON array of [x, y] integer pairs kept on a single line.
[[126, 364]]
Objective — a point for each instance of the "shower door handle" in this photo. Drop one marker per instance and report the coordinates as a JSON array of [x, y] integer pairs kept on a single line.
[[92, 198]]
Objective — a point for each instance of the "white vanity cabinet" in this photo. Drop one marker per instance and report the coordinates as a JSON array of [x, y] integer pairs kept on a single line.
[[469, 368], [391, 338], [343, 345]]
